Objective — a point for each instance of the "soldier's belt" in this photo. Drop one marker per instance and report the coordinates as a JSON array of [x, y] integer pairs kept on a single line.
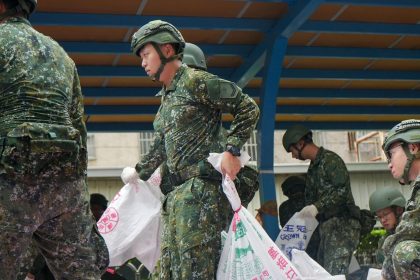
[[202, 169]]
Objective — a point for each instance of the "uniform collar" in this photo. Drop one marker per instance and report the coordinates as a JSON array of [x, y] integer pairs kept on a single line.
[[174, 83], [16, 19], [318, 155]]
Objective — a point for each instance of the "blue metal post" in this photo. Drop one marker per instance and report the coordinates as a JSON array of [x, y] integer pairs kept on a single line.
[[273, 67]]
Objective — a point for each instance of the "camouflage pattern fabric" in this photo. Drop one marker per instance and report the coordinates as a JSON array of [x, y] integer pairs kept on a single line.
[[339, 238], [402, 249], [187, 129], [194, 215], [43, 156], [188, 122], [380, 255], [328, 187]]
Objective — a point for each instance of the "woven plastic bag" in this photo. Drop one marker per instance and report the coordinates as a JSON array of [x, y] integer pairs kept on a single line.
[[296, 233], [310, 269], [248, 252], [131, 225]]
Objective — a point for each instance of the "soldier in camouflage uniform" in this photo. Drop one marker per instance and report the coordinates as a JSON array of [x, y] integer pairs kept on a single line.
[[43, 156], [328, 198], [187, 127], [402, 249], [388, 205]]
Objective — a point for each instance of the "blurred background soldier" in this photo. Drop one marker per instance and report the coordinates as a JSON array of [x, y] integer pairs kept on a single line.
[[402, 249], [329, 198], [187, 127], [294, 188], [98, 205], [43, 158], [388, 205]]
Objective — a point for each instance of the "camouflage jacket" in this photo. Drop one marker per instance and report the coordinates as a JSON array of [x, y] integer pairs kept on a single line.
[[328, 182], [39, 83], [188, 122], [409, 226]]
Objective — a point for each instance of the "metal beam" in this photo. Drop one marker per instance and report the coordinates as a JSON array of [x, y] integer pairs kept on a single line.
[[345, 109], [297, 15], [255, 92], [385, 3], [360, 28], [135, 21], [136, 72], [340, 125], [368, 53], [244, 50]]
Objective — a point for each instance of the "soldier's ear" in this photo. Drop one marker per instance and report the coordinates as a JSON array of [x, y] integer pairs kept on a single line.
[[414, 148]]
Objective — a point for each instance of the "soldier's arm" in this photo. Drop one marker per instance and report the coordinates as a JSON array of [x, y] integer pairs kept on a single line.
[[334, 190], [229, 98], [153, 159], [77, 114]]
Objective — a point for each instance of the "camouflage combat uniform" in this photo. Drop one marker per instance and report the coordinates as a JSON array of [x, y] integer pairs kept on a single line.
[[402, 249], [43, 157], [187, 126], [328, 188]]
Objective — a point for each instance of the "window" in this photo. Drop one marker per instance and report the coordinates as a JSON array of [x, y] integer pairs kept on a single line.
[[146, 140], [251, 146], [91, 149]]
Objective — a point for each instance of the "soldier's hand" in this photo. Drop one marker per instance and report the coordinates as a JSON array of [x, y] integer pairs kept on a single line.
[[230, 165], [129, 175]]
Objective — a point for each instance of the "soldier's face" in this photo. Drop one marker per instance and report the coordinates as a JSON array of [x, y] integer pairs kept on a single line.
[[396, 160], [387, 218], [150, 60]]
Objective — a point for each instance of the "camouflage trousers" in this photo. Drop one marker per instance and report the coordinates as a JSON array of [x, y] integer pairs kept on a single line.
[[194, 214], [44, 200], [339, 238], [404, 262]]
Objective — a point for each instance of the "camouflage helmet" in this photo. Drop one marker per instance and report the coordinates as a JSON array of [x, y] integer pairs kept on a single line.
[[194, 57], [384, 198], [407, 131], [159, 32], [294, 134], [293, 185]]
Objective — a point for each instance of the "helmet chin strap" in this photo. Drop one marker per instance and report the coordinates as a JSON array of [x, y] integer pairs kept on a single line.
[[300, 151], [410, 158], [163, 61]]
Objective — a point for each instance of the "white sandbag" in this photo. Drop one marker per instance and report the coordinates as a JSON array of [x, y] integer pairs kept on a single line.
[[296, 233], [374, 274], [131, 224], [249, 253], [310, 269]]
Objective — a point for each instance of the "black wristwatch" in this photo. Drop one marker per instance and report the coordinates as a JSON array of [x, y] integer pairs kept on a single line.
[[234, 150]]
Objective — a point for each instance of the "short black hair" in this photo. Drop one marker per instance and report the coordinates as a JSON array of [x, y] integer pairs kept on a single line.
[[99, 199]]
